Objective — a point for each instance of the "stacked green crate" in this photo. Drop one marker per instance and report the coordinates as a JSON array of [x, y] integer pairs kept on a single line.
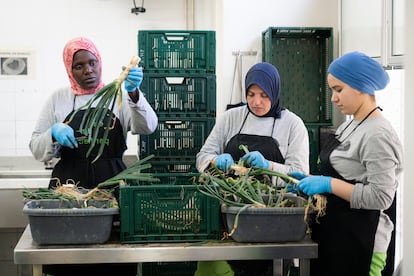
[[302, 55], [180, 84], [167, 213]]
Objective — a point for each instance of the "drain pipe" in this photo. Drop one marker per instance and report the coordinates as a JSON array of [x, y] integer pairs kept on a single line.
[[189, 14]]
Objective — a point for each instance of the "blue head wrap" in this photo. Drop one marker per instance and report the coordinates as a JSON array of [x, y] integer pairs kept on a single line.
[[360, 72], [266, 76]]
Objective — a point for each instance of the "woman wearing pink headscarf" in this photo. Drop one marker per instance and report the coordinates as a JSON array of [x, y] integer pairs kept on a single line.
[[53, 138]]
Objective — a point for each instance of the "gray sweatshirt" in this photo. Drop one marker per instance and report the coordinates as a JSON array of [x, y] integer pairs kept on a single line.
[[372, 156], [139, 118], [289, 131]]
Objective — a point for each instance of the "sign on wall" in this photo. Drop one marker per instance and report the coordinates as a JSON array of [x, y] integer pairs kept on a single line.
[[16, 64]]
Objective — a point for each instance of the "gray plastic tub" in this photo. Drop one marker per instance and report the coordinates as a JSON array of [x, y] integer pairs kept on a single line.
[[266, 224], [69, 222]]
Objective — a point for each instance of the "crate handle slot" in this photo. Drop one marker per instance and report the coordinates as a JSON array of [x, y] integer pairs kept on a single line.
[[176, 37], [175, 80], [173, 122]]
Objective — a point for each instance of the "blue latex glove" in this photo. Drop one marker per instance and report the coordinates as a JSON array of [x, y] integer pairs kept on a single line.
[[224, 161], [297, 175], [292, 188], [315, 184], [64, 135], [255, 159], [134, 79]]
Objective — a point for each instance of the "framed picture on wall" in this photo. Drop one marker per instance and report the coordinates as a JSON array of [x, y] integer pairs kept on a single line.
[[16, 64]]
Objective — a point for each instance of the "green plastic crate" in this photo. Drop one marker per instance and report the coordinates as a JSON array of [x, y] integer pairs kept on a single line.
[[177, 50], [165, 165], [314, 142], [181, 93], [169, 269], [302, 56], [177, 136], [167, 213], [177, 178]]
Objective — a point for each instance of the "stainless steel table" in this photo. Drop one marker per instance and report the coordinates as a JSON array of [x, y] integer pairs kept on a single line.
[[29, 253]]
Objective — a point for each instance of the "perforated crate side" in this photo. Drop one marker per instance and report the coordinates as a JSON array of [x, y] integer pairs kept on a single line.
[[174, 178], [302, 56], [314, 147], [177, 136], [177, 50], [189, 93], [184, 164], [167, 213]]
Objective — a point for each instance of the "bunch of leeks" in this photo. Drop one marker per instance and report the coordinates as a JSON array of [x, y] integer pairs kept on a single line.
[[103, 115]]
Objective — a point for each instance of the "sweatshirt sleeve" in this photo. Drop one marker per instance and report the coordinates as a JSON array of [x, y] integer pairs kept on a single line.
[[144, 120], [381, 157], [41, 142], [297, 152]]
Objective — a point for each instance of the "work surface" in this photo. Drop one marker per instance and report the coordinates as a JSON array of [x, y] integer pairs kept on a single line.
[[28, 252]]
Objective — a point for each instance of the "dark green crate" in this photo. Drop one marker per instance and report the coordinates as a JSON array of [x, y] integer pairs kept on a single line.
[[177, 178], [314, 148], [173, 92], [302, 56], [169, 269], [167, 213], [183, 164], [177, 50], [177, 136]]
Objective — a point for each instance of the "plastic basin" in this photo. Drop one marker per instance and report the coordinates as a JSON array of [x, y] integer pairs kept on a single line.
[[284, 224], [69, 222]]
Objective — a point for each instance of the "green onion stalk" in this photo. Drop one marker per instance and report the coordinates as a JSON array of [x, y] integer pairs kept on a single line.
[[103, 115], [244, 187], [133, 173]]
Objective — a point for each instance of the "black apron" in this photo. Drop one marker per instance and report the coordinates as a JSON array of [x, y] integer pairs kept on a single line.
[[266, 145], [74, 166], [269, 148], [345, 236]]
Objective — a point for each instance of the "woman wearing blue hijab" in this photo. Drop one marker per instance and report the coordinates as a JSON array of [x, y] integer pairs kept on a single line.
[[277, 139], [361, 164]]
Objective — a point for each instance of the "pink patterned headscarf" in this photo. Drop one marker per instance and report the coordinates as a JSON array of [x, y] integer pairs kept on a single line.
[[71, 47]]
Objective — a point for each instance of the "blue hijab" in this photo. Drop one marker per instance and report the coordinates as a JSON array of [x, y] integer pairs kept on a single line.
[[266, 76], [360, 72]]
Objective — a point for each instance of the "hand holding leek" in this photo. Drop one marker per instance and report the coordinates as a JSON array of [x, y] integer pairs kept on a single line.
[[103, 116]]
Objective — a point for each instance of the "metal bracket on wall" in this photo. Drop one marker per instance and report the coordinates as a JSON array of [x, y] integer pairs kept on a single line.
[[238, 78], [244, 53]]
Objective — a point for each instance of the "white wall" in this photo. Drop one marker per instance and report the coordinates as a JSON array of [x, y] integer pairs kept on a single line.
[[44, 26]]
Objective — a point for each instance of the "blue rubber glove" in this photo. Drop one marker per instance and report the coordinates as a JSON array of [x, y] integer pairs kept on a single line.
[[292, 188], [224, 161], [255, 159], [134, 79], [297, 175], [315, 184], [64, 135]]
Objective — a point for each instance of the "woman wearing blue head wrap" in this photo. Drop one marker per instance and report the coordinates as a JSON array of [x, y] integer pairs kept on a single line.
[[277, 139], [361, 164]]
